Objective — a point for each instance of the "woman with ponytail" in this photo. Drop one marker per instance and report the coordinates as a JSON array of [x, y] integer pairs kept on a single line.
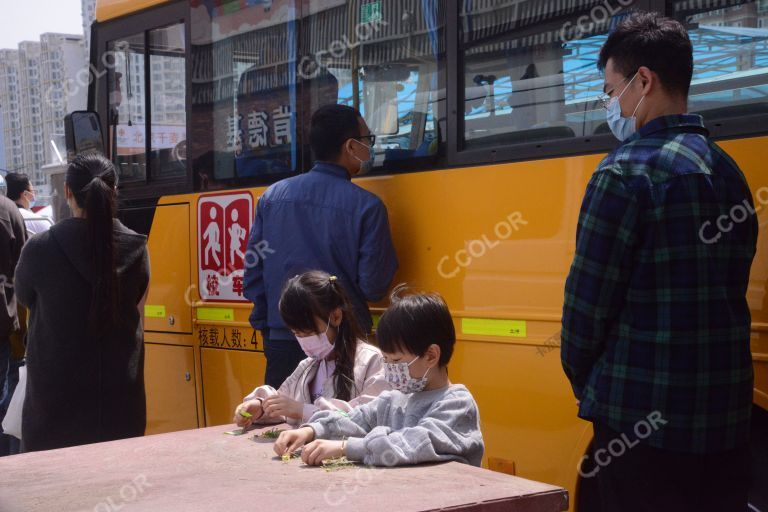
[[340, 372], [84, 282]]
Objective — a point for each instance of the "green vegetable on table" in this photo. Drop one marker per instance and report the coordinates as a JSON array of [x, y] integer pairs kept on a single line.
[[337, 463], [271, 434]]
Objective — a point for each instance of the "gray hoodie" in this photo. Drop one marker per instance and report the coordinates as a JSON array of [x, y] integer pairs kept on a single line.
[[397, 429], [81, 388]]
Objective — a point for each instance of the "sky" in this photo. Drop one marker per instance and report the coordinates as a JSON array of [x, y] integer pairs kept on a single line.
[[25, 20]]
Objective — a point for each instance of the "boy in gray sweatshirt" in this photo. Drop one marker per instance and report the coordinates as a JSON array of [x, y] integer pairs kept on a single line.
[[425, 419]]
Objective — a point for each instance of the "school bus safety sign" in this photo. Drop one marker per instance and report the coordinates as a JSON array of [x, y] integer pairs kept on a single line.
[[224, 224]]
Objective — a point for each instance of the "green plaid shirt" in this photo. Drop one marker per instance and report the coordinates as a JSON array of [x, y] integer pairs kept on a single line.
[[655, 318]]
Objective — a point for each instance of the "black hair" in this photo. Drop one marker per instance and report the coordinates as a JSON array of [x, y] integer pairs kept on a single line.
[[17, 183], [331, 126], [92, 179], [415, 321], [317, 294], [649, 39]]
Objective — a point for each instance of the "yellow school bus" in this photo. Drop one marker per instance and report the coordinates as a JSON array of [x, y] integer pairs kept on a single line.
[[487, 131]]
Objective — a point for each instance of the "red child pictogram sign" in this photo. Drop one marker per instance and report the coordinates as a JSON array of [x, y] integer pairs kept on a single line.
[[223, 223]]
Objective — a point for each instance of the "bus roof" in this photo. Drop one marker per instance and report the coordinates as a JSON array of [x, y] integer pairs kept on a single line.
[[110, 9]]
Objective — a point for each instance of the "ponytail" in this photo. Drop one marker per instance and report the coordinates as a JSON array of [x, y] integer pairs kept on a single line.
[[318, 294], [92, 179], [346, 344]]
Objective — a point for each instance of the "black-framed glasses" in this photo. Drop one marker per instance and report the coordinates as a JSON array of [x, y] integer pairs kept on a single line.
[[371, 138]]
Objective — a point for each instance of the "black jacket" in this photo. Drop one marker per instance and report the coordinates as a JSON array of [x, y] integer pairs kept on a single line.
[[13, 234], [80, 388]]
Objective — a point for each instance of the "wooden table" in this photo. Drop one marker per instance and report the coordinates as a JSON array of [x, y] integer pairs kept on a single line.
[[206, 470]]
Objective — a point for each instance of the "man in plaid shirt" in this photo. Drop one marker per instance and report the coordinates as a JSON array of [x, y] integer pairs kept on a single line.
[[656, 325]]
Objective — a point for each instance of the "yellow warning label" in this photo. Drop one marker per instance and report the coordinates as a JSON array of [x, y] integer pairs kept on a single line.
[[494, 327], [216, 314], [154, 311]]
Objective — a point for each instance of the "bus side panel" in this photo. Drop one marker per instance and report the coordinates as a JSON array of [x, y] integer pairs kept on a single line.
[[169, 376], [751, 156], [168, 306], [497, 242], [228, 376], [171, 370], [527, 408], [231, 352], [459, 232]]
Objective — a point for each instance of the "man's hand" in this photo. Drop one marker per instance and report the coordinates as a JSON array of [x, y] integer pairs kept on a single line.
[[252, 410], [291, 440], [281, 405], [317, 451]]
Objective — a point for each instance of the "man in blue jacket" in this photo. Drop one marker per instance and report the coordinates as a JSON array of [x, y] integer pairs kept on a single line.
[[319, 220]]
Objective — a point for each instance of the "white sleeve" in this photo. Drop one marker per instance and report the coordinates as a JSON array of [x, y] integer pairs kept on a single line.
[[338, 424], [289, 388], [260, 392], [373, 385]]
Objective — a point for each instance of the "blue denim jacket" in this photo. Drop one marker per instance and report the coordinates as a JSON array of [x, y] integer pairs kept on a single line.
[[319, 220]]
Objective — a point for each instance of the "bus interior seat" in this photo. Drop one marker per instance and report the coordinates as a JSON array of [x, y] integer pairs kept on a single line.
[[132, 167], [164, 166], [404, 154]]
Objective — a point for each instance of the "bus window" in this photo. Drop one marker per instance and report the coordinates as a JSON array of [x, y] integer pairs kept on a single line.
[[244, 93], [530, 74], [383, 58], [730, 52], [127, 122], [168, 139]]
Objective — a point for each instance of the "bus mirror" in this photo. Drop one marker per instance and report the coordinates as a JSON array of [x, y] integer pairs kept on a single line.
[[82, 130]]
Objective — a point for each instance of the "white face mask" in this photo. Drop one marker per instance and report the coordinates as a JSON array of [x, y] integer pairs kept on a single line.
[[365, 165], [317, 346], [399, 377], [622, 127]]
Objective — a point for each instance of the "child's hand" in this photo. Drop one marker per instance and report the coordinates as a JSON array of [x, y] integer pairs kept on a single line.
[[291, 440], [252, 407], [317, 451], [281, 405]]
